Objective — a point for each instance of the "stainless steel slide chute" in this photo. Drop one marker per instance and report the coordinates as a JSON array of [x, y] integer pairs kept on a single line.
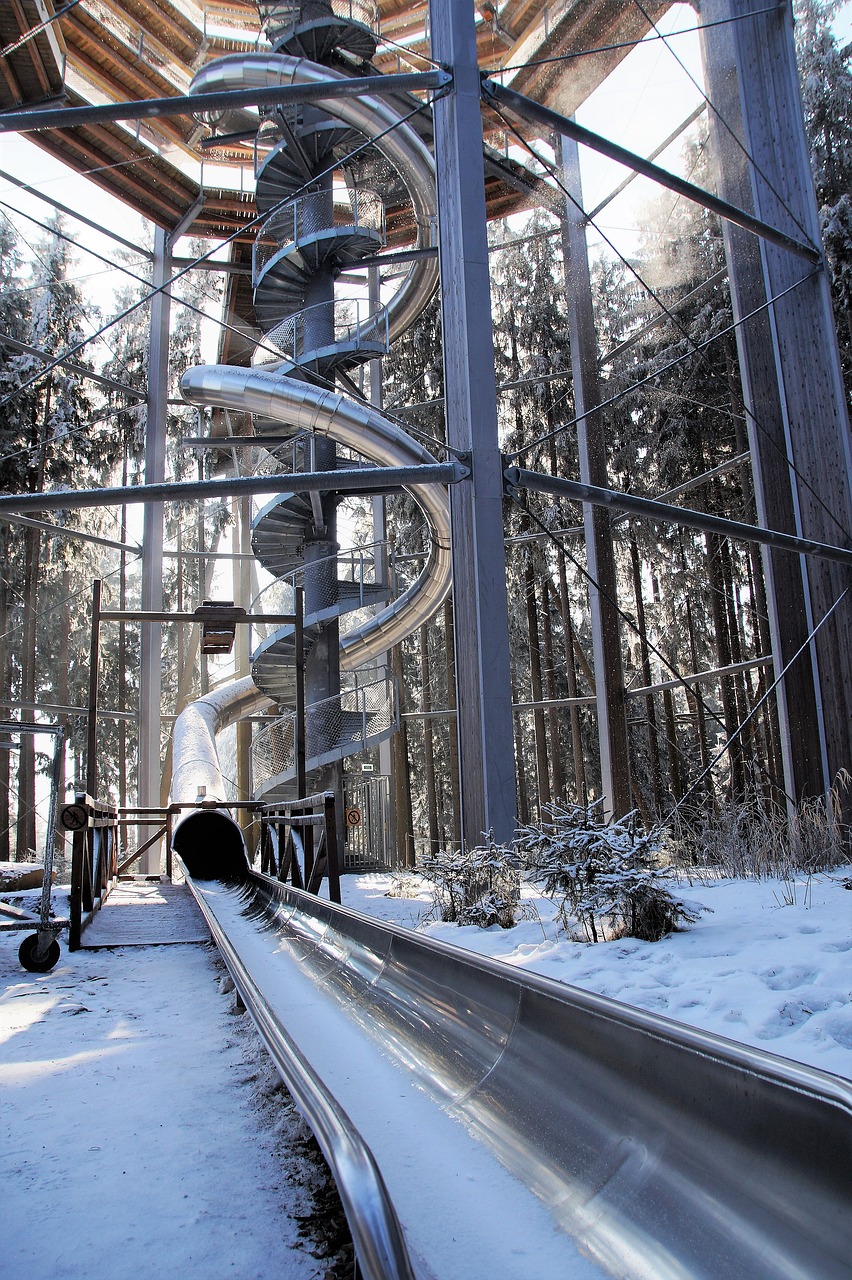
[[528, 1130]]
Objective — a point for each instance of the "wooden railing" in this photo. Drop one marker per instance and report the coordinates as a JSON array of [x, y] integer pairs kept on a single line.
[[298, 846], [94, 860], [298, 843]]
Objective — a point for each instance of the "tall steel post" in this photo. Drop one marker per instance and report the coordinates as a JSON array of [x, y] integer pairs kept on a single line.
[[600, 561], [379, 505], [792, 384], [151, 646], [486, 745]]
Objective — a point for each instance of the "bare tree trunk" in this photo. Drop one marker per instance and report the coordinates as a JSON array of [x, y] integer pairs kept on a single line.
[[63, 695], [674, 753], [25, 844], [537, 692], [726, 564], [6, 684], [428, 742], [520, 765], [571, 674], [402, 774], [450, 651], [723, 659], [122, 654], [760, 627], [650, 705], [552, 693], [26, 827]]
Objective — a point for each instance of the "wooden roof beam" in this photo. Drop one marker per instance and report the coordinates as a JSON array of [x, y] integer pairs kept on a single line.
[[130, 35], [32, 49]]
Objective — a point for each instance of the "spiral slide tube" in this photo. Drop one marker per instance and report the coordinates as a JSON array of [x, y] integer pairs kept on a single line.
[[356, 425], [296, 307]]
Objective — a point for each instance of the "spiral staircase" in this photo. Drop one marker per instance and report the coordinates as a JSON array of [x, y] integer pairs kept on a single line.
[[322, 217]]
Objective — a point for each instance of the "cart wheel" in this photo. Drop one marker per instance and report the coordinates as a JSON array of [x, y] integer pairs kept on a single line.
[[30, 958]]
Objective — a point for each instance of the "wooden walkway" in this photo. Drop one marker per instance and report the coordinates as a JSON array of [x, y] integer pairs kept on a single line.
[[144, 913]]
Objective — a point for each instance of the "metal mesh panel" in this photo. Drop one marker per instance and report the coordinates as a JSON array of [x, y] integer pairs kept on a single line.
[[273, 751], [367, 842], [278, 597], [350, 721], [353, 323], [279, 16]]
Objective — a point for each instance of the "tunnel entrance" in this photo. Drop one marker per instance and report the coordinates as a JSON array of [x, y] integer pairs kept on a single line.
[[212, 847]]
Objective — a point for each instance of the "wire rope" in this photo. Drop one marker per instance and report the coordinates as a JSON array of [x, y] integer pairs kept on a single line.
[[737, 140], [697, 348], [760, 702], [625, 617], [54, 231], [204, 257], [626, 44]]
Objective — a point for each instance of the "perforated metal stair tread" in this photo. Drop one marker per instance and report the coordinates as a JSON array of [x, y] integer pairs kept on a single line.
[[145, 913]]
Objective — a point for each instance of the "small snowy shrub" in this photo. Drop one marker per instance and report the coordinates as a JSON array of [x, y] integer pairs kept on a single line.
[[404, 884], [480, 886], [603, 874]]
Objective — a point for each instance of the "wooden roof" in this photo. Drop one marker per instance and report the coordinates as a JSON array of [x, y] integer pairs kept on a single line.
[[114, 50]]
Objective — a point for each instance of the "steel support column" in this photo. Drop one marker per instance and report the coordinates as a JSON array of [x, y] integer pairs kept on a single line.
[[792, 384], [486, 753], [379, 507], [600, 561], [150, 656]]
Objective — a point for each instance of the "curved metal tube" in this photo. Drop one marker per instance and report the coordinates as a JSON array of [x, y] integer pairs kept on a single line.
[[370, 116], [376, 1233], [364, 429], [666, 1152], [194, 753]]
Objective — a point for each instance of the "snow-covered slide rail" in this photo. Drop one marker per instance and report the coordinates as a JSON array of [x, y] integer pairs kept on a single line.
[[485, 1122]]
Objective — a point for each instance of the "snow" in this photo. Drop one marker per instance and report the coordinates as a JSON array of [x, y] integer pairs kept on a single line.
[[131, 1133], [769, 965], [20, 875]]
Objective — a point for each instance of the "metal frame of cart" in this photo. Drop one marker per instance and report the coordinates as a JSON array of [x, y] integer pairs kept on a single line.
[[40, 951]]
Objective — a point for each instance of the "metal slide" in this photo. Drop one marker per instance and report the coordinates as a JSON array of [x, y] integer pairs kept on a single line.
[[315, 230], [486, 1123], [482, 1123]]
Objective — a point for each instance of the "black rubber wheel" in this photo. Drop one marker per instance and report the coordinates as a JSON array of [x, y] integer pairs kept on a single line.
[[32, 961]]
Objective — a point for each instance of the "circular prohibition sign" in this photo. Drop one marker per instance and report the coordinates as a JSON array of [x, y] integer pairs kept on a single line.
[[74, 817], [353, 817]]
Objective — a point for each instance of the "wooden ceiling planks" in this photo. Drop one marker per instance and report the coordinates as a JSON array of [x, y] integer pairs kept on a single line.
[[32, 72]]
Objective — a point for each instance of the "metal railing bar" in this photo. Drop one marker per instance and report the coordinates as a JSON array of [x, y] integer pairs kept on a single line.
[[195, 103], [686, 517]]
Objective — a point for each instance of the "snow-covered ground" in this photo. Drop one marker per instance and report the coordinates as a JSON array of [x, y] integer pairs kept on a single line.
[[141, 1128], [770, 964]]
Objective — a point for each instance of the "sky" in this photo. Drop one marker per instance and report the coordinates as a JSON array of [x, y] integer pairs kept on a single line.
[[639, 106]]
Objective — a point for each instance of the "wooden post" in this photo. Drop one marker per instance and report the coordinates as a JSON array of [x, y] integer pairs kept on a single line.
[[75, 898], [600, 561], [332, 862], [169, 852], [94, 663], [486, 756], [792, 384]]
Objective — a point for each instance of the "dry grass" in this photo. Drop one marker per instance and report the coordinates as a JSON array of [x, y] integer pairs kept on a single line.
[[747, 840]]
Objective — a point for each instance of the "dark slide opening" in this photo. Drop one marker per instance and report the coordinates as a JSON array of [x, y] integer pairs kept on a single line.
[[211, 846]]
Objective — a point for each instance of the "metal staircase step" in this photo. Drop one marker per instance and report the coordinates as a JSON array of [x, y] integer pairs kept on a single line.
[[281, 285], [320, 39], [281, 176]]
